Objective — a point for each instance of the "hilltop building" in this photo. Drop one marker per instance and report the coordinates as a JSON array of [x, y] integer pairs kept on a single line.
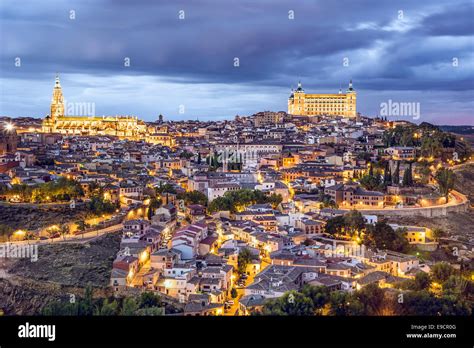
[[129, 127], [305, 104]]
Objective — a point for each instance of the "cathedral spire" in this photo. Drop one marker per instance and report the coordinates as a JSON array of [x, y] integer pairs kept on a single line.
[[57, 103], [57, 84]]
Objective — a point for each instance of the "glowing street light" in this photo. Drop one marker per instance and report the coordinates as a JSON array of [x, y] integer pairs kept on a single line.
[[9, 126]]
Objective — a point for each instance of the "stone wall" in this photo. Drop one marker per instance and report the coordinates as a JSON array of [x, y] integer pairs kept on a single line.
[[462, 205]]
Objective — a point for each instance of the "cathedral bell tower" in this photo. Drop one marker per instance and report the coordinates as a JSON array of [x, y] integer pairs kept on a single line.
[[57, 103]]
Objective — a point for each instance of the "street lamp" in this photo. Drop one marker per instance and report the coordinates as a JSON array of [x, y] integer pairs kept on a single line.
[[9, 126]]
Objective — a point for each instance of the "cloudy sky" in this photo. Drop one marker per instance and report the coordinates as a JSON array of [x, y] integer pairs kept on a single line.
[[184, 68]]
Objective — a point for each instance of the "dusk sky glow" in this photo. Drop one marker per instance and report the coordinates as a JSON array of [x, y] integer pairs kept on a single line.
[[190, 62]]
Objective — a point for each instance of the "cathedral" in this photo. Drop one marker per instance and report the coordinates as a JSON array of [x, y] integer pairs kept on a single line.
[[121, 126]]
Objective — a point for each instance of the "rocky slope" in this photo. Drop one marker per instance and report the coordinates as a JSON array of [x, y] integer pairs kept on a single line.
[[62, 269]]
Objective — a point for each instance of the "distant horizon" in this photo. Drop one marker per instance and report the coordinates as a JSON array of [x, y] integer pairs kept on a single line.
[[191, 60]]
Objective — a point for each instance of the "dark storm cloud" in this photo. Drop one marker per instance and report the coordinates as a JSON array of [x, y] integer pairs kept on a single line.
[[386, 52], [454, 20]]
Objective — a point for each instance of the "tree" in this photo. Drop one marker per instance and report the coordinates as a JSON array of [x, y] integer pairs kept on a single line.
[[148, 299], [387, 178], [396, 175], [86, 305], [335, 225], [343, 303], [193, 197], [244, 258], [430, 146], [383, 236], [438, 233], [422, 281], [81, 225], [370, 182], [220, 204], [318, 294], [350, 224], [291, 303], [408, 176], [424, 303], [5, 232], [129, 306], [166, 188], [425, 172], [63, 230], [354, 223], [151, 311], [108, 308], [235, 201], [372, 298], [233, 293], [441, 271], [154, 204], [445, 179], [458, 287]]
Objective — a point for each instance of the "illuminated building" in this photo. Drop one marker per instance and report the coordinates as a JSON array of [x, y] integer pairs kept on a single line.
[[305, 104], [129, 127]]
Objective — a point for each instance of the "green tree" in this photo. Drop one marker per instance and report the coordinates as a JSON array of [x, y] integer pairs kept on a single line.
[[425, 172], [129, 306], [441, 271], [343, 303], [194, 197], [335, 225], [291, 303], [438, 233], [151, 311], [318, 294], [81, 225], [244, 258], [396, 175], [5, 232], [383, 236], [235, 201], [155, 203], [86, 305], [408, 176], [165, 188], [108, 308], [372, 298], [422, 281], [64, 230], [458, 287], [370, 182], [148, 299], [446, 180], [387, 178], [423, 303], [233, 293], [354, 223]]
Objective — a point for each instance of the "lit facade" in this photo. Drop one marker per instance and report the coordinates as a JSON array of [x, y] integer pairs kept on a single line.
[[341, 104], [129, 127]]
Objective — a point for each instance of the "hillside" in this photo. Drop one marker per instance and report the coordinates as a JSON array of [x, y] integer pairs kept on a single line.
[[61, 269]]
